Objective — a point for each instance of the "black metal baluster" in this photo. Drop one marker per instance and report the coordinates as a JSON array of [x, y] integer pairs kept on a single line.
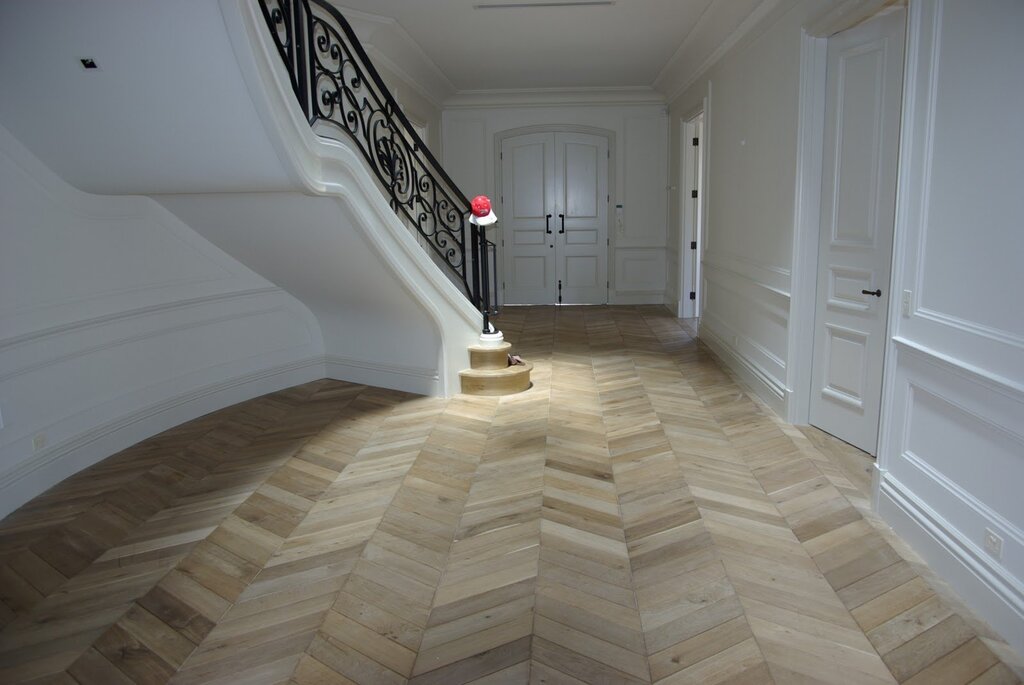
[[336, 84]]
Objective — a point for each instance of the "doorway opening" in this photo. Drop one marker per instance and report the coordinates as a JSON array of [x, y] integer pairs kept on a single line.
[[691, 213]]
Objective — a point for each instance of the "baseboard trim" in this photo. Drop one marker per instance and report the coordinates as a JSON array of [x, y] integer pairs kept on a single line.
[[637, 297], [101, 441], [764, 386], [414, 379], [986, 586]]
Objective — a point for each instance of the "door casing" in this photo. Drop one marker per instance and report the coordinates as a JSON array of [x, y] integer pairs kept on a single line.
[[810, 139]]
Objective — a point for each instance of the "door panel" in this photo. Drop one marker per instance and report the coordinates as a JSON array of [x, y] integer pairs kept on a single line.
[[865, 69], [581, 191], [564, 175], [528, 183]]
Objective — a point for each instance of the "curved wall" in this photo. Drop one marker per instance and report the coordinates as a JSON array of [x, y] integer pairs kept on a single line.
[[118, 321]]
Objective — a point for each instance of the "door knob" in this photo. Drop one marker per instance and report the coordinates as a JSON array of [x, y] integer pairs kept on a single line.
[[876, 293], [562, 217], [547, 224]]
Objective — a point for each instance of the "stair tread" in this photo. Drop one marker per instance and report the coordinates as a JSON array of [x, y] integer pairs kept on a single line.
[[507, 371], [504, 346]]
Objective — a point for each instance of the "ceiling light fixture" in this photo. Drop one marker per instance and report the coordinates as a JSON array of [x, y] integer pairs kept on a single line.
[[542, 3]]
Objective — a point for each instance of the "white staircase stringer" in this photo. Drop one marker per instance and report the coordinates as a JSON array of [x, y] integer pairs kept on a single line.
[[335, 168]]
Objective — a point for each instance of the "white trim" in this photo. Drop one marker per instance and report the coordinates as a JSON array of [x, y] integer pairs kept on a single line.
[[806, 224], [421, 381], [1005, 386], [982, 331], [108, 438], [163, 307], [713, 262], [764, 385], [551, 97], [335, 169], [752, 20], [845, 15], [982, 582], [378, 57], [42, 362], [637, 297], [354, 17], [499, 139]]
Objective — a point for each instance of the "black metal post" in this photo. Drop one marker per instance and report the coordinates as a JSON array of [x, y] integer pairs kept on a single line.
[[485, 279], [474, 252]]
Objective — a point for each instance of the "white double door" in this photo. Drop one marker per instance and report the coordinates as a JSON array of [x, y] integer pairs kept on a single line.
[[554, 218], [862, 123]]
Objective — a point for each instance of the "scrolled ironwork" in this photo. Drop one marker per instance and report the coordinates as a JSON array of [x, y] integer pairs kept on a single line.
[[339, 90]]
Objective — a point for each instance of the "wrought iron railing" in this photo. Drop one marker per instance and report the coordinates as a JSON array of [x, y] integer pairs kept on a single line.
[[339, 90]]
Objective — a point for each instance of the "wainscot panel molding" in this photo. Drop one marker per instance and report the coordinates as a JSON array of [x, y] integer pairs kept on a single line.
[[119, 321], [951, 447]]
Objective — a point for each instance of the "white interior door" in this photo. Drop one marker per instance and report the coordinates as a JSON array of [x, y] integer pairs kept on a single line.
[[554, 218], [865, 71], [527, 218], [581, 207]]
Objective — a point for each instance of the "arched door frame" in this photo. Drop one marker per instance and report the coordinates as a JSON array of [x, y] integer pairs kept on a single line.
[[608, 134]]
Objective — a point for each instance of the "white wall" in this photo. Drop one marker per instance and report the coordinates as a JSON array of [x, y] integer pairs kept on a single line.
[[162, 113], [751, 158], [118, 321], [374, 330], [951, 454], [637, 255]]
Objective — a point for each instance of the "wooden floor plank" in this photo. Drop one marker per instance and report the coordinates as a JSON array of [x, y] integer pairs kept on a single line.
[[634, 517]]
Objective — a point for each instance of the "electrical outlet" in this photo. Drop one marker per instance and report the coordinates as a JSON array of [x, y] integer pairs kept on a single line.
[[38, 441], [908, 303], [993, 544]]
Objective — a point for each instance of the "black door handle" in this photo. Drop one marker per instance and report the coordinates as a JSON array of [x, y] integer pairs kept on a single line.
[[876, 293], [562, 217], [547, 224]]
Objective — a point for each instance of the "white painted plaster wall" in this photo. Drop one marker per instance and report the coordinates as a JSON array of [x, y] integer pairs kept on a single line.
[[118, 321], [951, 454], [751, 161]]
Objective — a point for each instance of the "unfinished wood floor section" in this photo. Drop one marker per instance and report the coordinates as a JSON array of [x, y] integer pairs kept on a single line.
[[634, 517]]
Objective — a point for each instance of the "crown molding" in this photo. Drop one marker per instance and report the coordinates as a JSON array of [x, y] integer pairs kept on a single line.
[[677, 76], [554, 97], [847, 14], [410, 62]]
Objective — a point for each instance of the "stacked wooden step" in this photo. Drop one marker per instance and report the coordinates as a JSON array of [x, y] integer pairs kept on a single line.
[[490, 373]]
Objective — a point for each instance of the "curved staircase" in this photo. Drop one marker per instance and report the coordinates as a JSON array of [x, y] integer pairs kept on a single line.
[[490, 373]]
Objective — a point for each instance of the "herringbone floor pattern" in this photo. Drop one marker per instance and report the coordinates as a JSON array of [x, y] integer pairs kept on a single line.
[[635, 517]]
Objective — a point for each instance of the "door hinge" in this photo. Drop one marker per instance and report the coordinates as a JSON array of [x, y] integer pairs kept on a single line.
[[608, 154], [503, 242], [693, 193], [696, 142], [693, 244], [503, 285], [501, 155], [609, 199], [607, 241], [693, 295], [608, 284]]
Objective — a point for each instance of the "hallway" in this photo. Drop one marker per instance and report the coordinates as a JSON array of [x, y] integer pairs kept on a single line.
[[634, 517]]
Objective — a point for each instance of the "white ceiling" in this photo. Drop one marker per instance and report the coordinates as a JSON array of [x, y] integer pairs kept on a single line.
[[626, 44]]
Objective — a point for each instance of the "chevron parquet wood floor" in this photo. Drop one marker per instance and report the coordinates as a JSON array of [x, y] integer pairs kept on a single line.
[[634, 517]]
